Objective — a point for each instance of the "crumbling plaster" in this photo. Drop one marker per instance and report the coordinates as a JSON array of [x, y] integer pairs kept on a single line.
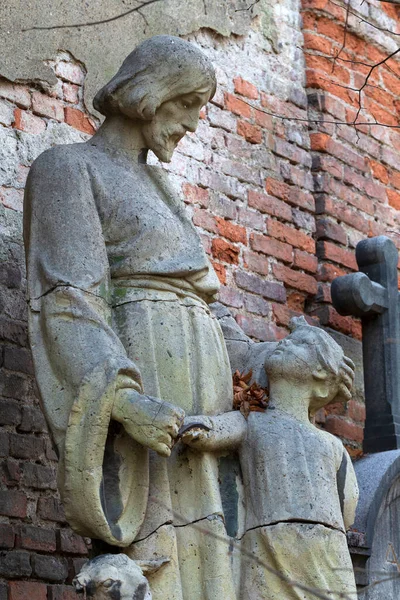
[[30, 32]]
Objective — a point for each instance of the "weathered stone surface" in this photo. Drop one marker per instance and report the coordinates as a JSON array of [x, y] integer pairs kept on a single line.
[[353, 349], [300, 487], [124, 577], [373, 295], [375, 539]]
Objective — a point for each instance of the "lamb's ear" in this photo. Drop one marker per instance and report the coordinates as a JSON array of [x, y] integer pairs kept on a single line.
[[151, 566]]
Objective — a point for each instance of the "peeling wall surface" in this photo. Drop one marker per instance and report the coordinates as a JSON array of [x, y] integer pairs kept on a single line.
[[280, 189], [44, 27]]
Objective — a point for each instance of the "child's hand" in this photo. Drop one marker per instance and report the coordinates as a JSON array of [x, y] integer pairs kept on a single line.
[[195, 432]]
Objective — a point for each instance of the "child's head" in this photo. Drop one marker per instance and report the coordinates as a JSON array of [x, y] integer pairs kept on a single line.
[[310, 355]]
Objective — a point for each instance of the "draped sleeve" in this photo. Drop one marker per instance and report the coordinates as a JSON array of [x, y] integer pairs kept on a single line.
[[80, 363]]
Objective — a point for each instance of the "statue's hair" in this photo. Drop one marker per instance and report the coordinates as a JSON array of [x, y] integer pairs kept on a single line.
[[116, 560], [159, 69], [331, 357]]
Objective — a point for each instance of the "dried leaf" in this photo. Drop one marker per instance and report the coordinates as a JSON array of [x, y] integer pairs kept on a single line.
[[248, 398]]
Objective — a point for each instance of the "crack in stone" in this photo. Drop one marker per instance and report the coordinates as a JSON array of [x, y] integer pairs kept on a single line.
[[292, 521]]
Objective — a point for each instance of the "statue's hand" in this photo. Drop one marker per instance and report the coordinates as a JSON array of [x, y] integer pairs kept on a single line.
[[196, 431], [150, 421]]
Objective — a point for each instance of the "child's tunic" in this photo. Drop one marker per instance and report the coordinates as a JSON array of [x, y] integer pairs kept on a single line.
[[301, 493]]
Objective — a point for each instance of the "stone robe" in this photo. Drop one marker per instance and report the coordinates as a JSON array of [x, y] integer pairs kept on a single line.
[[119, 287]]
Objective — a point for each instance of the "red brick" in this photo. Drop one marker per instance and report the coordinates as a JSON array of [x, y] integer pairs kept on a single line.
[[259, 328], [24, 590], [394, 199], [26, 446], [220, 271], [329, 272], [291, 236], [195, 195], [279, 189], [283, 314], [257, 305], [296, 300], [297, 175], [25, 121], [77, 119], [245, 88], [324, 293], [295, 279], [330, 164], [230, 297], [237, 106], [318, 43], [263, 119], [321, 81], [6, 536], [13, 504], [13, 92], [44, 106], [224, 251], [250, 218], [61, 592], [330, 318], [71, 543], [381, 115], [252, 133], [375, 190], [256, 262], [270, 205], [395, 179], [51, 509], [346, 155], [37, 538], [328, 230], [304, 260], [205, 220], [342, 428], [206, 242], [292, 152], [327, 205], [70, 72], [390, 82], [324, 64], [319, 141], [271, 247], [258, 285], [232, 232], [356, 411], [71, 93], [329, 251], [289, 194]]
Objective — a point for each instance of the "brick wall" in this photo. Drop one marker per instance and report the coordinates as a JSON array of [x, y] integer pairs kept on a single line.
[[280, 203], [39, 553]]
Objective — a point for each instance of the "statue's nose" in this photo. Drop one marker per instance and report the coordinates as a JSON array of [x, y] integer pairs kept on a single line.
[[191, 121]]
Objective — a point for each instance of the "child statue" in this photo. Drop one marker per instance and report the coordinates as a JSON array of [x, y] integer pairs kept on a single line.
[[300, 487]]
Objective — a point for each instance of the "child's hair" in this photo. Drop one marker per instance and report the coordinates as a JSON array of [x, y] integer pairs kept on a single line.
[[331, 357]]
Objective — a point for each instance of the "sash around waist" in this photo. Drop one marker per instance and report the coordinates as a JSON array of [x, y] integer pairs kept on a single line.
[[156, 288]]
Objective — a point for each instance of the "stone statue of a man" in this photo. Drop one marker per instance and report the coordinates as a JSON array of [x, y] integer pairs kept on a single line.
[[123, 339]]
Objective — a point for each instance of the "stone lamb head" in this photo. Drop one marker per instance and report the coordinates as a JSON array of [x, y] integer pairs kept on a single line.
[[117, 577]]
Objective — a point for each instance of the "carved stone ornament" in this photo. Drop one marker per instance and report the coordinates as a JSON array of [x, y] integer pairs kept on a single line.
[[116, 576], [128, 350]]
